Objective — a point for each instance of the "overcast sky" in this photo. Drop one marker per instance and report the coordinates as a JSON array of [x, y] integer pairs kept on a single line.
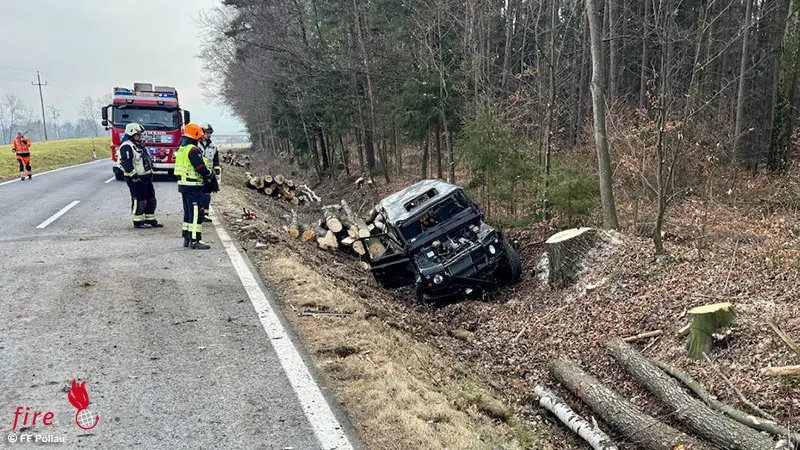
[[86, 47]]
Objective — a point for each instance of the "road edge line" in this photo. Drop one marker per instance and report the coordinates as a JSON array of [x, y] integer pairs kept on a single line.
[[327, 428]]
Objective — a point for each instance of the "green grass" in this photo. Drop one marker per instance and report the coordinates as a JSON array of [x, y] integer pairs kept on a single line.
[[54, 154]]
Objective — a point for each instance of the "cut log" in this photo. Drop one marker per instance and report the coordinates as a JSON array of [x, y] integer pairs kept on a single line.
[[364, 265], [332, 222], [735, 414], [268, 179], [372, 214], [565, 250], [705, 321], [308, 234], [622, 415], [279, 179], [784, 371], [649, 334], [295, 201], [590, 433], [348, 241], [704, 421], [269, 191], [328, 241], [290, 184]]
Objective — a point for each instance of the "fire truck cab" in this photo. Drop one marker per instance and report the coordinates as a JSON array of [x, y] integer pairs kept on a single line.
[[158, 111]]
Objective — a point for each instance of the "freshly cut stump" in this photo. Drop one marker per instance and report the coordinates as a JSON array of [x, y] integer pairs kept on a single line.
[[565, 250], [706, 320]]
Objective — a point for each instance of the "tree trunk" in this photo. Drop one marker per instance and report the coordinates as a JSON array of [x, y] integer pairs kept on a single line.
[[707, 423], [738, 145], [613, 60], [584, 64], [647, 432], [644, 60], [600, 134], [425, 155], [362, 47], [438, 141], [757, 423], [323, 151], [580, 426], [783, 120]]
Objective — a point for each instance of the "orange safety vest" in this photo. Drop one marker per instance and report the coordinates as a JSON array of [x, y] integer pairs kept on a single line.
[[22, 149]]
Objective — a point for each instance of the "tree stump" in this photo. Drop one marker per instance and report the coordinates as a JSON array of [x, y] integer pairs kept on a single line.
[[705, 321], [565, 250]]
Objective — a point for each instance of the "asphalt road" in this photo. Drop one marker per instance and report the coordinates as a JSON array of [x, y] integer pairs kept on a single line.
[[172, 343]]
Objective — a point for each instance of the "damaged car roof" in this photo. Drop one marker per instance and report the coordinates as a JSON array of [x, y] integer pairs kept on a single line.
[[404, 204]]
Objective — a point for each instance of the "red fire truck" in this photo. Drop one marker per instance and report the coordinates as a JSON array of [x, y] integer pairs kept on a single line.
[[158, 111]]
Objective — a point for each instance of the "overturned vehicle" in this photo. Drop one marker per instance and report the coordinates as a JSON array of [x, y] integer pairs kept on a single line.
[[431, 235]]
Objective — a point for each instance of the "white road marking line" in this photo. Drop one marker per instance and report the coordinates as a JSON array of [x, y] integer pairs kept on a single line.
[[58, 214], [319, 414], [110, 180], [56, 170]]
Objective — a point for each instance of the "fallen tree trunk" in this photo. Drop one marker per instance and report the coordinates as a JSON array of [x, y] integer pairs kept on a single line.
[[782, 371], [619, 413], [328, 241], [710, 425], [735, 414], [565, 251], [580, 426]]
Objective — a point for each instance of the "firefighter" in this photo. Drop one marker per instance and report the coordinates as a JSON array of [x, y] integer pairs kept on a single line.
[[211, 159], [22, 148], [194, 179], [138, 169]]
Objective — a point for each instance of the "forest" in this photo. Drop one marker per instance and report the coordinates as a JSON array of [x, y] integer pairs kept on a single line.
[[499, 96]]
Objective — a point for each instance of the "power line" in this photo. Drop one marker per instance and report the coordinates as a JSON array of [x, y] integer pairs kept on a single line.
[[41, 99]]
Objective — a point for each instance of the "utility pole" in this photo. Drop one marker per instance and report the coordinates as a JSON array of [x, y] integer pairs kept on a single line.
[[41, 99]]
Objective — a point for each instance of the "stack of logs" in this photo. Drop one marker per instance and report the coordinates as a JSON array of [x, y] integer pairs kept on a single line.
[[338, 229], [235, 159], [279, 187]]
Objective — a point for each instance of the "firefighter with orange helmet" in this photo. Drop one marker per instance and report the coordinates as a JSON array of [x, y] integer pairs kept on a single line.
[[22, 148], [193, 178]]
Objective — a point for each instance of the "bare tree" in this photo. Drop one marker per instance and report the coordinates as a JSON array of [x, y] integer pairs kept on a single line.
[[17, 114]]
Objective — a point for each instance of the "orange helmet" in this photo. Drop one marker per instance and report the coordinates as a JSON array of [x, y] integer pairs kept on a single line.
[[193, 131]]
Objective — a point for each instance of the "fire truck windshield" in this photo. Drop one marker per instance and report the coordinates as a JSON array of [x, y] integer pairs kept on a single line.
[[162, 119]]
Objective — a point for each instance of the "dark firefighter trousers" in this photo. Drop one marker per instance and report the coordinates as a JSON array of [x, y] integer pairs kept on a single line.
[[143, 199], [194, 210]]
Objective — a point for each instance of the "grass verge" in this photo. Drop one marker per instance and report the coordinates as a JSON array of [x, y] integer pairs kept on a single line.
[[54, 154]]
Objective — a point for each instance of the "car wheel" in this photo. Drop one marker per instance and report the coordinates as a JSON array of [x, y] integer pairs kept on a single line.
[[119, 175], [510, 268]]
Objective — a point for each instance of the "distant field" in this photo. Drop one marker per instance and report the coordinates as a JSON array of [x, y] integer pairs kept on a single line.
[[54, 154]]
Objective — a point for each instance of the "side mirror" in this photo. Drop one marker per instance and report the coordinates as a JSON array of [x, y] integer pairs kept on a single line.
[[104, 114], [186, 117], [104, 122]]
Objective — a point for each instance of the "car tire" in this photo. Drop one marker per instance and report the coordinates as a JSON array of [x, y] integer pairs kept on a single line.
[[118, 175], [510, 269]]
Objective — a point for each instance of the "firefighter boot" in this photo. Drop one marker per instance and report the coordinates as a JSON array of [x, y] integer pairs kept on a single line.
[[154, 223], [199, 245], [186, 238]]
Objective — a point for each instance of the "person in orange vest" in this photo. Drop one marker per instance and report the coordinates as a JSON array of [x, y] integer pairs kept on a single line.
[[22, 147]]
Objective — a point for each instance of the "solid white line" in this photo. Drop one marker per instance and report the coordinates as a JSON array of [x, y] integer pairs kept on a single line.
[[110, 180], [35, 175], [319, 414], [58, 214]]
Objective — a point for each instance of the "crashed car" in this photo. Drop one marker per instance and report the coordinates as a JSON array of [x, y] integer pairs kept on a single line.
[[433, 236]]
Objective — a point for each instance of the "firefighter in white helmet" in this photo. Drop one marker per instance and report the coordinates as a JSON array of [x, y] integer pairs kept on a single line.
[[138, 169], [211, 158]]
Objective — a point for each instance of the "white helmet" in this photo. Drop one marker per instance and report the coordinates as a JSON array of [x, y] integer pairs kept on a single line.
[[207, 127], [133, 128]]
